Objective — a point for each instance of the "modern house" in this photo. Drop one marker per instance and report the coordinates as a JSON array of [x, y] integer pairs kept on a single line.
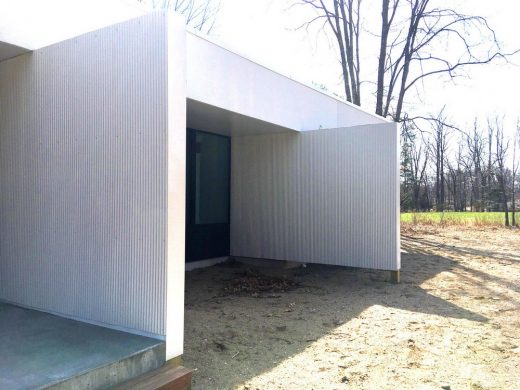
[[132, 152]]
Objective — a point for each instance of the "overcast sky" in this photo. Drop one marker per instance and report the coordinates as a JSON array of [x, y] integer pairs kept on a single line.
[[265, 30]]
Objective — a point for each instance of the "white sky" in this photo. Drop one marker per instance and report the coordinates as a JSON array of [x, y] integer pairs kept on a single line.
[[265, 31], [36, 23]]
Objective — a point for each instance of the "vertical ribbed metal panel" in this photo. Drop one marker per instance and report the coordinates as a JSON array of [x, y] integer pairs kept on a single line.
[[325, 196], [83, 132]]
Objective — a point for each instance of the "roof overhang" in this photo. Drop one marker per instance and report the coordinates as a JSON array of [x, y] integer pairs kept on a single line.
[[202, 116], [229, 90]]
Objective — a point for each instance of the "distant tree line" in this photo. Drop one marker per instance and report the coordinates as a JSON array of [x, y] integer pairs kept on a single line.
[[447, 168]]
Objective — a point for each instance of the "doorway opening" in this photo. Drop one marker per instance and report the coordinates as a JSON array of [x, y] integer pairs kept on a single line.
[[208, 166]]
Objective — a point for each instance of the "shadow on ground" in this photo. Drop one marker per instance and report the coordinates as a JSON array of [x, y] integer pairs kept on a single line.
[[423, 250], [459, 249], [230, 339]]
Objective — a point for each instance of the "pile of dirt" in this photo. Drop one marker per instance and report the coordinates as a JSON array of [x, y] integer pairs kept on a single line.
[[253, 283]]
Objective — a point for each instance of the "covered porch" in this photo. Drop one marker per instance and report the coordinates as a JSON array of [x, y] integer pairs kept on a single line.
[[258, 190], [41, 350], [305, 177]]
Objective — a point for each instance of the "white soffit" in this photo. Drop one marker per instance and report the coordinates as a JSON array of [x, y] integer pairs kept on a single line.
[[202, 116], [32, 24]]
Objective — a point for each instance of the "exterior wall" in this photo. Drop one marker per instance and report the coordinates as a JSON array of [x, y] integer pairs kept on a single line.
[[223, 79], [325, 196], [176, 190], [83, 184]]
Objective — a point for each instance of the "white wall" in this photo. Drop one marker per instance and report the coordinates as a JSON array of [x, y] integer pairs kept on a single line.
[[325, 196], [221, 78], [83, 177], [176, 191]]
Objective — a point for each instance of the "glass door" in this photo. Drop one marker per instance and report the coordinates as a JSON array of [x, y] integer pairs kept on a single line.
[[207, 195]]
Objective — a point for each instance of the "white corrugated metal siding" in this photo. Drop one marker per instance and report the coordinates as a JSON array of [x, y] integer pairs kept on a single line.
[[83, 161], [326, 196]]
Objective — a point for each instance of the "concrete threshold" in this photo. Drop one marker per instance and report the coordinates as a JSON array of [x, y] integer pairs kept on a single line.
[[43, 351]]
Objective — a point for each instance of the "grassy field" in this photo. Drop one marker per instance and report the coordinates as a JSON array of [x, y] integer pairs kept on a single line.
[[457, 218]]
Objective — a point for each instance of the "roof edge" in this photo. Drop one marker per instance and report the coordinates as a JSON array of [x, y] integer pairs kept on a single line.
[[222, 45]]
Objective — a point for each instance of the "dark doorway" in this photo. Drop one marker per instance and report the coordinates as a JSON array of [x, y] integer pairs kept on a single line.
[[207, 195]]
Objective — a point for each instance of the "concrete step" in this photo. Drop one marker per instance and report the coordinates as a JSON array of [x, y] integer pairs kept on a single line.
[[119, 371], [43, 351]]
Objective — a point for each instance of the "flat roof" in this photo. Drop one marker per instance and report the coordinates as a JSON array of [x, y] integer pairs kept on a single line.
[[31, 24], [255, 61]]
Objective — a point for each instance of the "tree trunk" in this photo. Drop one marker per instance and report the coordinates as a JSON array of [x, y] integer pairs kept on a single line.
[[504, 197], [382, 58], [513, 201]]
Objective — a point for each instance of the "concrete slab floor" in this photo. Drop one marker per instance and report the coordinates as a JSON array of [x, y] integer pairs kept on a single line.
[[39, 349]]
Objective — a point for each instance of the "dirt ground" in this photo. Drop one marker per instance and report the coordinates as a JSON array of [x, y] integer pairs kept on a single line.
[[452, 323]]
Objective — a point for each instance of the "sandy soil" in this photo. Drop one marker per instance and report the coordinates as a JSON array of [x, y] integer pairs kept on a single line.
[[453, 322]]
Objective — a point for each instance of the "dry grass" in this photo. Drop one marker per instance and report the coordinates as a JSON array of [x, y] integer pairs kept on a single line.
[[449, 218]]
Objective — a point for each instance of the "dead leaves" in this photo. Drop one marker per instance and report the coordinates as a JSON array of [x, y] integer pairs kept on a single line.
[[253, 283]]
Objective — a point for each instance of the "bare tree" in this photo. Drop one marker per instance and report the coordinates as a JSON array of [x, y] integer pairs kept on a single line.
[[502, 146], [489, 174], [514, 171], [387, 15], [343, 19], [475, 156], [438, 145], [416, 52], [457, 182], [420, 156], [411, 46], [416, 162], [200, 14]]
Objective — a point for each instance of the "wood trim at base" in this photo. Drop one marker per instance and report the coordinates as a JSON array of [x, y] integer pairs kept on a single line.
[[395, 277], [168, 377]]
